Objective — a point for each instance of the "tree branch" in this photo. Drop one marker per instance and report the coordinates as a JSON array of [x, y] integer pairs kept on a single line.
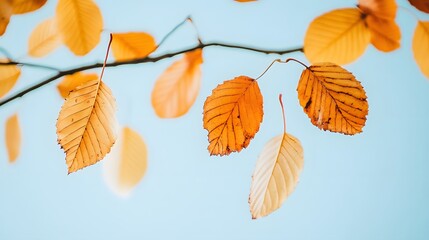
[[134, 61]]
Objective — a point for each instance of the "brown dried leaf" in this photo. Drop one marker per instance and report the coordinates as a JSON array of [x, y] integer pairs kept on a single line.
[[232, 115], [86, 125], [422, 5], [333, 99]]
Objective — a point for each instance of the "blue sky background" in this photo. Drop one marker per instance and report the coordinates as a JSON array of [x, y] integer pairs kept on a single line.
[[370, 186]]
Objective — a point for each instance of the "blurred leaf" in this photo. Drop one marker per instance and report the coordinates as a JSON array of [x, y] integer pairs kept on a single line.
[[339, 36], [126, 165], [275, 175], [86, 125], [70, 82], [80, 23], [232, 115], [25, 6], [333, 99], [13, 138], [421, 46], [384, 9], [422, 5], [9, 75], [5, 14], [385, 34], [243, 1], [127, 46], [177, 88], [44, 39]]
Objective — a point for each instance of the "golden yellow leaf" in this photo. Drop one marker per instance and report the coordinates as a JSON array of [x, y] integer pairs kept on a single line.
[[422, 5], [275, 175], [13, 138], [232, 115], [132, 45], [126, 165], [339, 36], [80, 23], [242, 1], [5, 14], [44, 39], [70, 82], [9, 75], [385, 9], [177, 88], [421, 46], [333, 99], [25, 6], [385, 34], [86, 125]]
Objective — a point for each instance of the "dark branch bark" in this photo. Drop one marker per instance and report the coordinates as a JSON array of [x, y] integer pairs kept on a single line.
[[135, 61]]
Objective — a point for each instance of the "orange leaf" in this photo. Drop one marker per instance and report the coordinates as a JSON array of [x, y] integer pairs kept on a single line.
[[385, 34], [232, 115], [44, 39], [421, 46], [177, 88], [339, 36], [9, 75], [70, 82], [5, 14], [385, 9], [80, 23], [422, 5], [127, 46], [242, 1], [126, 165], [13, 138], [275, 175], [86, 125], [25, 6], [333, 99]]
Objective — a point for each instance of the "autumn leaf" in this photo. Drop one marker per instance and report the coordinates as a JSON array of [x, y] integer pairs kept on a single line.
[[70, 82], [177, 88], [380, 19], [333, 99], [243, 1], [25, 6], [86, 124], [421, 46], [132, 45], [5, 14], [44, 39], [422, 5], [339, 36], [384, 9], [276, 172], [13, 138], [275, 175], [9, 75], [385, 34], [126, 165], [80, 23], [232, 115]]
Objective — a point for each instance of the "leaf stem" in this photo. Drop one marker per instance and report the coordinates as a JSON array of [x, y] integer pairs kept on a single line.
[[283, 112], [107, 56], [295, 60], [196, 29]]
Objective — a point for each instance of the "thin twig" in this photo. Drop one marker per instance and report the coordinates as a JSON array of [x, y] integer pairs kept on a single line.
[[142, 60]]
